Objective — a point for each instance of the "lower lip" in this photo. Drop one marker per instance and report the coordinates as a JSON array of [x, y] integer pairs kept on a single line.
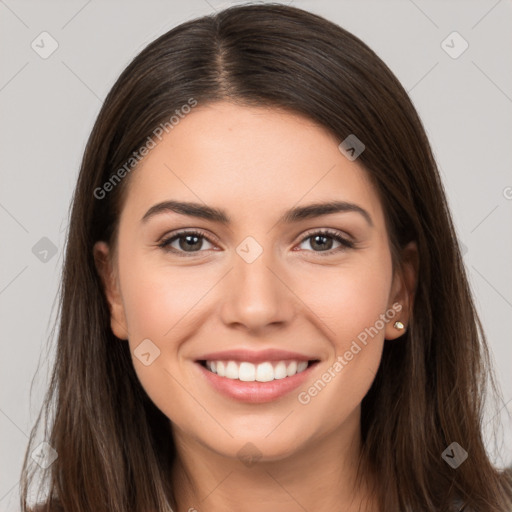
[[256, 392]]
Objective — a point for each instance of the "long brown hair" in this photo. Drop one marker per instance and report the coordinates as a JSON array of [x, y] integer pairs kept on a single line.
[[114, 446]]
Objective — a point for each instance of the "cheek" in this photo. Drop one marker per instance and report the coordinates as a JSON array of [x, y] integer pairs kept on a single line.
[[352, 302], [161, 305], [160, 299], [349, 298]]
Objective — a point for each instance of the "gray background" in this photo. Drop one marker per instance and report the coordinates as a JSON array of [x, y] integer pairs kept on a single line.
[[48, 107]]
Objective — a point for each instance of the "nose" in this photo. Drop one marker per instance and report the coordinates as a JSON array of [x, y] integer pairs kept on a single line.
[[256, 296]]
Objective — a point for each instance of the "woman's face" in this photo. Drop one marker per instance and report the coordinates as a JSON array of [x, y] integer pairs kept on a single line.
[[257, 283]]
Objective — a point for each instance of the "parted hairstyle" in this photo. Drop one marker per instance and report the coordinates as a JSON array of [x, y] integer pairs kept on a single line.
[[114, 446]]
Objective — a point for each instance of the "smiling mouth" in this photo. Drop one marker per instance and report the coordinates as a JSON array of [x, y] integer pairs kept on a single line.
[[266, 371]]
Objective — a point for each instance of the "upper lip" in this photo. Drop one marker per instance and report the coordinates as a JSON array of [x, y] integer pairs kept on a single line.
[[251, 356]]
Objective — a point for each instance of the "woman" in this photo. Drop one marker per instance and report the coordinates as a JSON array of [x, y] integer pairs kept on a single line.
[[264, 305]]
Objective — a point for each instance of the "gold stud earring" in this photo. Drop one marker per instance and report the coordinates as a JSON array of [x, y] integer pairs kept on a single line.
[[398, 325]]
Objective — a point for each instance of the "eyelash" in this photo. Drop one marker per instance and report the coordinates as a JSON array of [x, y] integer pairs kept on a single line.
[[345, 244]]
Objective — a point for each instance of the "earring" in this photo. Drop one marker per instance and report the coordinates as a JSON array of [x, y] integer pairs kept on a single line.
[[398, 325]]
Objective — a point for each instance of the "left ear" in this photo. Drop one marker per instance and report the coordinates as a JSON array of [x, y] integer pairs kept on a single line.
[[403, 290]]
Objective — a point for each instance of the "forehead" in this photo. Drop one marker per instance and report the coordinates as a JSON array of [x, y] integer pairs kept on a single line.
[[249, 160]]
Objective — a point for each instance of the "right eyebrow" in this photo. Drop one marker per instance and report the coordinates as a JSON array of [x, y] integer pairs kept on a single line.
[[190, 209]]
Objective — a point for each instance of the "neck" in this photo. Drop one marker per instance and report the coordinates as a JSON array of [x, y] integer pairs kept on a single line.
[[320, 476]]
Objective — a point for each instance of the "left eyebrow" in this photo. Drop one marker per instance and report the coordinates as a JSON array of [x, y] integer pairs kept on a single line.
[[319, 209], [292, 215]]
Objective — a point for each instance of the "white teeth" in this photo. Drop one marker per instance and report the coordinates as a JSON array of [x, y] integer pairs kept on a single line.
[[246, 372], [280, 370], [302, 366], [262, 372], [291, 369], [232, 370], [221, 369]]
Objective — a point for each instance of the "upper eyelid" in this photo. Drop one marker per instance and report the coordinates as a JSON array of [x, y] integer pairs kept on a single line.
[[328, 231], [185, 231]]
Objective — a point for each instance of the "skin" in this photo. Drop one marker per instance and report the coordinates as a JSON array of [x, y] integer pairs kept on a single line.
[[255, 163]]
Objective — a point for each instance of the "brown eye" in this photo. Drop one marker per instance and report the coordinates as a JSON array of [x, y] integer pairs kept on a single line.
[[322, 241], [188, 242]]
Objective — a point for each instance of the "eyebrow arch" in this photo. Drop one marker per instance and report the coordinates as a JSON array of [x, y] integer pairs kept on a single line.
[[293, 215]]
